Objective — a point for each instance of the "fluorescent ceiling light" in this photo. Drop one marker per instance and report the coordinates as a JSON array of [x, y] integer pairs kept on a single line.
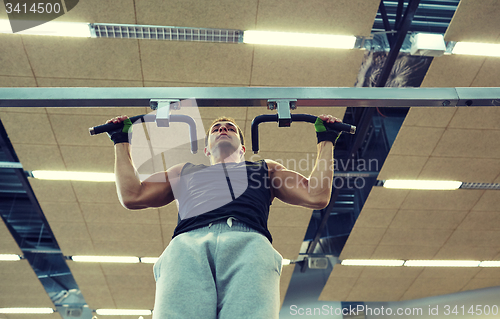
[[490, 263], [123, 312], [106, 259], [27, 310], [442, 263], [286, 262], [422, 184], [471, 48], [149, 260], [299, 39], [52, 28], [8, 257], [372, 262], [74, 176]]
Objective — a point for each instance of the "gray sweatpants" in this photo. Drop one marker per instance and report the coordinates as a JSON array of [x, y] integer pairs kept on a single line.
[[221, 271]]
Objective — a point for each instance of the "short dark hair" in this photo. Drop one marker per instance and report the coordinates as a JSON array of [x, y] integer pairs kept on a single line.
[[225, 119]]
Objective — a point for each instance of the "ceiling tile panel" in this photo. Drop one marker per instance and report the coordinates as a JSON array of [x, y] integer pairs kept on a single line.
[[64, 212], [108, 247], [373, 217], [478, 283], [12, 50], [7, 243], [225, 14], [417, 141], [74, 129], [469, 143], [425, 287], [293, 216], [70, 231], [89, 159], [453, 250], [365, 236], [459, 199], [299, 66], [475, 22], [318, 16], [286, 275], [478, 220], [52, 191], [40, 129], [116, 214], [385, 198], [92, 192], [405, 251], [17, 81], [287, 251], [169, 213], [453, 71], [402, 167], [449, 272], [429, 116], [476, 117], [488, 74], [71, 247], [290, 235], [477, 170], [18, 280], [180, 61], [40, 157], [379, 289], [340, 282], [83, 58], [41, 110], [488, 273], [95, 11], [105, 112], [124, 232], [428, 219], [416, 237], [167, 231], [472, 238], [71, 82], [352, 251], [490, 201]]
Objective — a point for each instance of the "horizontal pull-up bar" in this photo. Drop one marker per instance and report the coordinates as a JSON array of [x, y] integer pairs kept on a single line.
[[249, 96]]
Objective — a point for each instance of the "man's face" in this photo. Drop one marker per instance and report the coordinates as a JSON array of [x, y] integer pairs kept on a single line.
[[223, 134]]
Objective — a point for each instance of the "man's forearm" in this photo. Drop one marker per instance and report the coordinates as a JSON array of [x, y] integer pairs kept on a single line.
[[128, 185], [321, 178]]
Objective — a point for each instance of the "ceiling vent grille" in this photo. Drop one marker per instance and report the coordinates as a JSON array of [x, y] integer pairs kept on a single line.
[[480, 186], [165, 33]]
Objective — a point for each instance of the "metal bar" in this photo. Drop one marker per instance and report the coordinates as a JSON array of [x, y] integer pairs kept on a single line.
[[401, 35], [399, 14], [385, 20], [249, 96]]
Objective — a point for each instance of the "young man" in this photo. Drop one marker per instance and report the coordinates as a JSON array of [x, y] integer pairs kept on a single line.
[[220, 262]]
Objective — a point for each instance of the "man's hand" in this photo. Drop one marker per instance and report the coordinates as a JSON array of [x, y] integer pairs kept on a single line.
[[121, 135], [323, 132]]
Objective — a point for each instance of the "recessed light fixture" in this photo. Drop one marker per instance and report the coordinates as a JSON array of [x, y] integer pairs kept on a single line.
[[372, 262], [73, 176], [27, 310], [299, 39], [422, 184], [106, 259], [472, 48], [51, 28], [123, 312], [442, 263], [9, 257]]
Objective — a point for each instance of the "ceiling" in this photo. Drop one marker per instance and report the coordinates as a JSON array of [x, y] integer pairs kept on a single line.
[[433, 143]]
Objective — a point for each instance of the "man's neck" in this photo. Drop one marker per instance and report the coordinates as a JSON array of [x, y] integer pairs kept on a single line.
[[234, 157]]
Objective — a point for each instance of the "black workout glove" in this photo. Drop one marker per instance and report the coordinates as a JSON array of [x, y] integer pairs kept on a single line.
[[323, 133], [123, 135]]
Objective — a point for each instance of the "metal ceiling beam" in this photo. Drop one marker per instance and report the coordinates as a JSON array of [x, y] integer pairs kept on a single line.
[[254, 96], [366, 118]]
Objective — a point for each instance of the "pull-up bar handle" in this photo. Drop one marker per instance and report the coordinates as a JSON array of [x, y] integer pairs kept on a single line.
[[151, 118], [343, 127]]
